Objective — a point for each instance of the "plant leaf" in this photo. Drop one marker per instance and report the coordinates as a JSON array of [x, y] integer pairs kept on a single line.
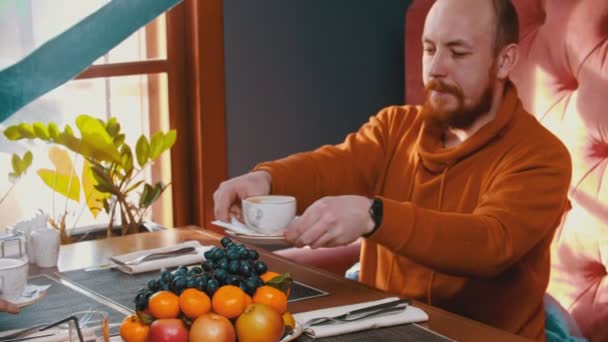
[[142, 150], [103, 188], [12, 133], [126, 157], [119, 139], [93, 196], [103, 179], [53, 131], [113, 127], [63, 179], [20, 165], [96, 142], [41, 131], [143, 198], [169, 139], [282, 282], [156, 145], [106, 206], [26, 130]]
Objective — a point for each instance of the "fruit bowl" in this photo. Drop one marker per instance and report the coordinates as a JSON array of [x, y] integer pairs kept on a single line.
[[231, 295]]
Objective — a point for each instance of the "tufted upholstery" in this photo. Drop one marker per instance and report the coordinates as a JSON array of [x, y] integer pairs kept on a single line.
[[562, 77]]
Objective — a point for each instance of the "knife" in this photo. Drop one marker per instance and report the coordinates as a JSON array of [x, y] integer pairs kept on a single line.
[[368, 309]]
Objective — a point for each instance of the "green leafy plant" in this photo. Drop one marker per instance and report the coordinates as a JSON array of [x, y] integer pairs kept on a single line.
[[20, 166], [109, 175]]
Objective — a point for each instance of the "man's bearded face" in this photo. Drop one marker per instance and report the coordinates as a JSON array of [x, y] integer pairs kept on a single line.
[[445, 105]]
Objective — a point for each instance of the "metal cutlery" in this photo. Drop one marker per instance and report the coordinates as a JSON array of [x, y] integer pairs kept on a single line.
[[360, 314], [155, 256], [23, 332]]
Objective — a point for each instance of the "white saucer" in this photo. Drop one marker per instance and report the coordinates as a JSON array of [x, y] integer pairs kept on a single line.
[[239, 228], [31, 294], [246, 235]]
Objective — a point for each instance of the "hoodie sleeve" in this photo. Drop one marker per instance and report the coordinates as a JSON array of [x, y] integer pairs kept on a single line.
[[350, 167], [521, 206]]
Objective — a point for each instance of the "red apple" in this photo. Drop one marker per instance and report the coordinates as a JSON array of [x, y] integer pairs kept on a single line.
[[211, 327], [168, 330]]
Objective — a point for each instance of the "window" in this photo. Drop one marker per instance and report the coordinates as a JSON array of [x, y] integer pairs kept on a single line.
[[168, 74], [130, 82]]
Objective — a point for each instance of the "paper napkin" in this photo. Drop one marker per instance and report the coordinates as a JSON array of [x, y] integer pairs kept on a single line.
[[237, 227], [152, 265], [410, 315]]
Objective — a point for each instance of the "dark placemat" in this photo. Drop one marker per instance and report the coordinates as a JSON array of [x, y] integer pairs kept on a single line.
[[402, 333], [59, 302], [121, 288]]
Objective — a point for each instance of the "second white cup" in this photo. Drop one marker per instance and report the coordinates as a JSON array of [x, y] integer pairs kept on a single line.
[[269, 215]]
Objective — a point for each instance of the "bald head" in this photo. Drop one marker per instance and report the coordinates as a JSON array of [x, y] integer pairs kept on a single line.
[[496, 21]]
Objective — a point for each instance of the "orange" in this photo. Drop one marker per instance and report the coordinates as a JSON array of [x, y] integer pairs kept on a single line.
[[259, 323], [266, 277], [194, 303], [272, 297], [164, 304], [211, 327], [229, 301], [133, 330]]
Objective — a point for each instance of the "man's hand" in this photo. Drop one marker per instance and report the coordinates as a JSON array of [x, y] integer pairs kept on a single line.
[[9, 307], [228, 196], [331, 222]]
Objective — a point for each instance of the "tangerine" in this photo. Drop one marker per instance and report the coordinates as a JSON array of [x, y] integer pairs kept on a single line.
[[229, 301], [272, 297], [164, 304], [133, 330], [194, 303]]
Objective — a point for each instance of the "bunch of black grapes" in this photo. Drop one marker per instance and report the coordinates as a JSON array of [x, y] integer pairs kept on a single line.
[[234, 264]]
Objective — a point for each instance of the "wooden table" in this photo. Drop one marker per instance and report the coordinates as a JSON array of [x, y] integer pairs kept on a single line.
[[342, 291]]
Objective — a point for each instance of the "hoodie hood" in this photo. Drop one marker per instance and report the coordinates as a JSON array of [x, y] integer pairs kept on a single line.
[[435, 158]]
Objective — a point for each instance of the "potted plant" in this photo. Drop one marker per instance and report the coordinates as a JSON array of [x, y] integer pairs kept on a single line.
[[110, 177]]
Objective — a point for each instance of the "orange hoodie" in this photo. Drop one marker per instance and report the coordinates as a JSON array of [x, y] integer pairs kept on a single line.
[[467, 228]]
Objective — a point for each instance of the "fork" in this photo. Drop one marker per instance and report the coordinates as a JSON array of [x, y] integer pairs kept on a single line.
[[157, 255], [336, 320], [23, 332]]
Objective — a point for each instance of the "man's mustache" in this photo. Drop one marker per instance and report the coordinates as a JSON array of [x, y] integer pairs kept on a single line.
[[440, 86]]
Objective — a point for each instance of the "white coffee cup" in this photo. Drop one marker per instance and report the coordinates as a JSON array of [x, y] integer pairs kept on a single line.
[[46, 243], [13, 278], [269, 215]]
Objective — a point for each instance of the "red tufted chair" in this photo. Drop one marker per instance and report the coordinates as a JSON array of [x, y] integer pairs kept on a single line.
[[562, 77]]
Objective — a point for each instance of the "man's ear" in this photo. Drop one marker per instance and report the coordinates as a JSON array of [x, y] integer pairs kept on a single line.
[[506, 60]]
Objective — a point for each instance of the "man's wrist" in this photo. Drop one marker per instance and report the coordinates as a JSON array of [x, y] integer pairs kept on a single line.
[[266, 177]]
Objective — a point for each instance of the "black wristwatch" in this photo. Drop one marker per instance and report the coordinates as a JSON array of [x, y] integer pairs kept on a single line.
[[375, 212]]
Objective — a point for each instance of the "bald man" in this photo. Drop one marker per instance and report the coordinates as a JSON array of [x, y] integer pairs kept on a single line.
[[457, 200]]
